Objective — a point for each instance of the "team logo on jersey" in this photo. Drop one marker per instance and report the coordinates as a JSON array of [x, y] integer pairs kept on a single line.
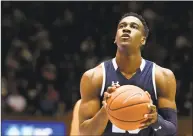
[[114, 83], [158, 128]]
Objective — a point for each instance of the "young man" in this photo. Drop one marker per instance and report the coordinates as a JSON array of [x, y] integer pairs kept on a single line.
[[128, 67]]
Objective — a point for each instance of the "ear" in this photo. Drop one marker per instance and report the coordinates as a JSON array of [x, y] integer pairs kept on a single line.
[[143, 40], [115, 39]]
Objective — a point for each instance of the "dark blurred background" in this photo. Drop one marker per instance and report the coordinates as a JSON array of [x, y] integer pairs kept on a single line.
[[47, 46]]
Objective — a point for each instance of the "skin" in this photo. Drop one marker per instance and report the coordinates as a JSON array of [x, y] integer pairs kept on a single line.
[[128, 58], [75, 120]]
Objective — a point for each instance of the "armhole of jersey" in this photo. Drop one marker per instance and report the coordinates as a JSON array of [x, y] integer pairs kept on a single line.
[[153, 79], [104, 79]]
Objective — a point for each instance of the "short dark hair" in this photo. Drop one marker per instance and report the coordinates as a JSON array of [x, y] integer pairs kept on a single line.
[[146, 29]]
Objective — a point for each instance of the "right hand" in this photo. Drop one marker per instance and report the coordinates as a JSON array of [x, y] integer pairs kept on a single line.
[[108, 93]]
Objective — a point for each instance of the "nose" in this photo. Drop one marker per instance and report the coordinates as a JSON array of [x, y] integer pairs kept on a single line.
[[126, 30]]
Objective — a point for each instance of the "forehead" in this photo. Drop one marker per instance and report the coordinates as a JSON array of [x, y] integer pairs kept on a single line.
[[130, 19]]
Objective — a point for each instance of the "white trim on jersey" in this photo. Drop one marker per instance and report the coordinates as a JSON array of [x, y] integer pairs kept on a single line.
[[142, 65], [153, 79], [116, 66], [104, 79], [115, 129]]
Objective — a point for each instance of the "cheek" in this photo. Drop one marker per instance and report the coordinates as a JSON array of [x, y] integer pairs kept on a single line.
[[137, 36], [118, 34]]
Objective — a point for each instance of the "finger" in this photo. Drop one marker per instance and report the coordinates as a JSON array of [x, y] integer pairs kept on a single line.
[[148, 94], [106, 95], [152, 108], [117, 85], [143, 127], [146, 123], [149, 97], [104, 104], [150, 116], [111, 89]]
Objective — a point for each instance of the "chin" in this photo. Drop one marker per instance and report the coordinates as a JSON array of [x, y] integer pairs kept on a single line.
[[123, 47]]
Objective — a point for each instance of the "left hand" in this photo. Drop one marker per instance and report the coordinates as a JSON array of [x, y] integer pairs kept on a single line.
[[151, 117]]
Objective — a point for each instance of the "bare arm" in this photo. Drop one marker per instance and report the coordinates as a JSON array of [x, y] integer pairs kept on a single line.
[[75, 120], [93, 119], [164, 120], [166, 84], [166, 124]]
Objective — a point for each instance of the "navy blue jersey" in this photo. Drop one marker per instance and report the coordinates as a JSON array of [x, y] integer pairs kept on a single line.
[[143, 78]]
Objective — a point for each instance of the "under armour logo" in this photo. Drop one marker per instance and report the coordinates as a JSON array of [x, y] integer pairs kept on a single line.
[[113, 83], [158, 128]]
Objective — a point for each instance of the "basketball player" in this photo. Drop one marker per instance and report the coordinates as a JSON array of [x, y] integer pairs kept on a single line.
[[128, 68]]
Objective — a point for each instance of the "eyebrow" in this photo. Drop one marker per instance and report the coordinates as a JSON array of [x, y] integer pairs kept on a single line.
[[133, 23]]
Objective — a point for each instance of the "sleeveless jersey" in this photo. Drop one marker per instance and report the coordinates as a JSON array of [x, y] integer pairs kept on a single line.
[[143, 78]]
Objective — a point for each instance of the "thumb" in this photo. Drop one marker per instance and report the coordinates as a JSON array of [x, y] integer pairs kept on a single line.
[[149, 96], [104, 104]]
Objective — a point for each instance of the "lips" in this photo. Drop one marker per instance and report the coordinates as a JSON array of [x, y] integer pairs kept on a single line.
[[125, 35]]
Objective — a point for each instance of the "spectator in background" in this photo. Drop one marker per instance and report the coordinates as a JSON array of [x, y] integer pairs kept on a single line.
[[16, 102]]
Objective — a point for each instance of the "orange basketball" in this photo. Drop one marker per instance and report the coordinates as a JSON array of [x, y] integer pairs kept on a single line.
[[127, 106]]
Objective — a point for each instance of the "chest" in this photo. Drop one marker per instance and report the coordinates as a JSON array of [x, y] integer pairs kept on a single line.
[[142, 79]]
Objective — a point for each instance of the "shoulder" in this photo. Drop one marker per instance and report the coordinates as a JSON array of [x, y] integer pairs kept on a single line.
[[95, 75], [91, 81], [95, 72], [161, 72], [165, 73], [165, 81]]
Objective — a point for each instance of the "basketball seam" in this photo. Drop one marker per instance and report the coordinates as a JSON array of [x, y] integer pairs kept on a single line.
[[116, 97], [128, 106], [125, 106], [124, 120]]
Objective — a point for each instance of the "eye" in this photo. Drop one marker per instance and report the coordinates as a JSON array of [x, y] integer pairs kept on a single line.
[[134, 26], [121, 26]]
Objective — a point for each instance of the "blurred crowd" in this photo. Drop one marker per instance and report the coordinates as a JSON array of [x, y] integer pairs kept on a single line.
[[47, 46]]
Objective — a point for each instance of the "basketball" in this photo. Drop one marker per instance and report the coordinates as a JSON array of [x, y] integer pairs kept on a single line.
[[127, 106]]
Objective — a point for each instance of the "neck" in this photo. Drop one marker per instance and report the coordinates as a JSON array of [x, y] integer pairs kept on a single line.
[[128, 63]]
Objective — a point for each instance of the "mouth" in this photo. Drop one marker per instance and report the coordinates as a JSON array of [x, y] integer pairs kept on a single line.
[[125, 36]]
